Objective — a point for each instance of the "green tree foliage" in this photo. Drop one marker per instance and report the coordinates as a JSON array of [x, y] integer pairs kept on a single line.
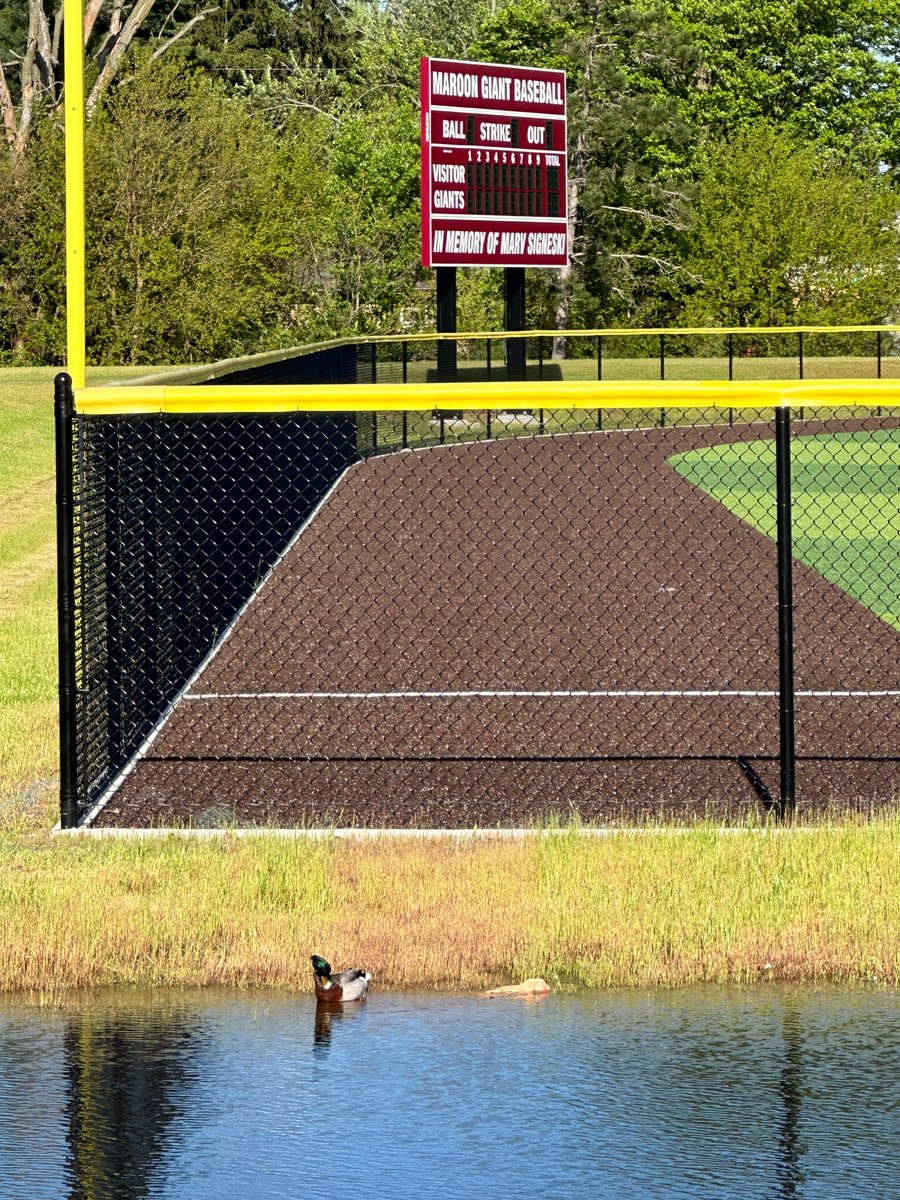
[[631, 73], [826, 69], [528, 32], [250, 35], [13, 28], [629, 70], [196, 212], [780, 237], [367, 248], [32, 313], [397, 33]]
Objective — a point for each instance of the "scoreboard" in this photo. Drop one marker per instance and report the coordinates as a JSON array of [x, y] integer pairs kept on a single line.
[[493, 165]]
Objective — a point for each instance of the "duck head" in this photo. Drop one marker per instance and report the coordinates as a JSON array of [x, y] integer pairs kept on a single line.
[[321, 969]]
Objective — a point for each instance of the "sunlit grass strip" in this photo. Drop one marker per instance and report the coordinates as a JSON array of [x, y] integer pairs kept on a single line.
[[687, 367], [673, 908]]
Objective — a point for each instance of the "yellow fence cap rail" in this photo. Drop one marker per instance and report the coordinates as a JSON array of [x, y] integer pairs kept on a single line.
[[414, 397]]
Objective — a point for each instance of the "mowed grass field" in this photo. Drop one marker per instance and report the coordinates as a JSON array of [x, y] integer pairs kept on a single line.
[[472, 365], [846, 504]]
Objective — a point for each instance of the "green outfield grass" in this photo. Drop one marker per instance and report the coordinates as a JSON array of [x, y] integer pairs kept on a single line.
[[846, 504], [677, 367]]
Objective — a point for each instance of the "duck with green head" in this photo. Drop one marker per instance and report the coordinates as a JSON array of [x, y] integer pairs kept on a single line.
[[338, 989]]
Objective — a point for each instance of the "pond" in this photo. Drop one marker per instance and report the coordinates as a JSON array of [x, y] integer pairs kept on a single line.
[[719, 1093]]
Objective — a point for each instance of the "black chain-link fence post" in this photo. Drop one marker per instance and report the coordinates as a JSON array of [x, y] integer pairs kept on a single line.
[[64, 409], [787, 754]]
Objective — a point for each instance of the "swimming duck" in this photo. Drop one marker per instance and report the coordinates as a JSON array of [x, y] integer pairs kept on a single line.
[[337, 989]]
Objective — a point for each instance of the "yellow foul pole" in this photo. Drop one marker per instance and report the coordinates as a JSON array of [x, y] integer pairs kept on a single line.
[[74, 110]]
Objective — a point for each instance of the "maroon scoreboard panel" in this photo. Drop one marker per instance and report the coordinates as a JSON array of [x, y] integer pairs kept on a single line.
[[493, 165]]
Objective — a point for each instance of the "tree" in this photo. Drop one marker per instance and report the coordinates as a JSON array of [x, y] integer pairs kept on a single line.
[[628, 70], [198, 221], [31, 252], [397, 33], [372, 236], [110, 29], [778, 236], [198, 218], [239, 36], [827, 70]]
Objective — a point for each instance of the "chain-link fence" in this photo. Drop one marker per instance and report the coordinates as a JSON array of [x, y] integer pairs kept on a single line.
[[636, 356], [446, 618]]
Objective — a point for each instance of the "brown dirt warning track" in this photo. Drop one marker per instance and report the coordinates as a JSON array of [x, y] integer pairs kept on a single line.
[[490, 633]]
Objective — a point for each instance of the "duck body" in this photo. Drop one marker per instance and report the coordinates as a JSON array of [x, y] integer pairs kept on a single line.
[[339, 988]]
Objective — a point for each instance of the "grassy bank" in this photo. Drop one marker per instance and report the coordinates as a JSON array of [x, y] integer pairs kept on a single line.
[[635, 908]]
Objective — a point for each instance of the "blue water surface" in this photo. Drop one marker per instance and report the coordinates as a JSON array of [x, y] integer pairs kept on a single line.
[[718, 1093]]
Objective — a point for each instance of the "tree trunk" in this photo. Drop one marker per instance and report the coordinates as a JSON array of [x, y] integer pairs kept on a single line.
[[575, 180], [114, 57], [564, 303], [7, 111], [91, 13], [40, 60]]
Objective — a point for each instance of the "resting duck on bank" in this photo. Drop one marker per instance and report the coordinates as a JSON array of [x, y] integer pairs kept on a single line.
[[336, 989]]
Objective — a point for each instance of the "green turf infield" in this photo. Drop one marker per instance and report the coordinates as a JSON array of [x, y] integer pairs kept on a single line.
[[846, 504]]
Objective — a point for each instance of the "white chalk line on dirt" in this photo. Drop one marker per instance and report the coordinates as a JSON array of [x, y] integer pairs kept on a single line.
[[544, 694]]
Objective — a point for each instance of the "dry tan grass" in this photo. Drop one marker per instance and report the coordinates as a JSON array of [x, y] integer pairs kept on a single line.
[[640, 907]]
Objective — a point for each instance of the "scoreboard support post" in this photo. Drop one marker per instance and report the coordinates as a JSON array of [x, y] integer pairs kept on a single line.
[[515, 320], [445, 278]]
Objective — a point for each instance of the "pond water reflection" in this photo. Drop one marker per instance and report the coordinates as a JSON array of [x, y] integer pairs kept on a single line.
[[770, 1093]]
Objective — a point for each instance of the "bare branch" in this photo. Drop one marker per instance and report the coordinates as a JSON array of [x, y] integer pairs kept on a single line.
[[664, 264], [57, 34], [160, 50], [91, 13], [26, 111], [652, 218], [167, 19], [117, 52], [289, 102], [43, 57]]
